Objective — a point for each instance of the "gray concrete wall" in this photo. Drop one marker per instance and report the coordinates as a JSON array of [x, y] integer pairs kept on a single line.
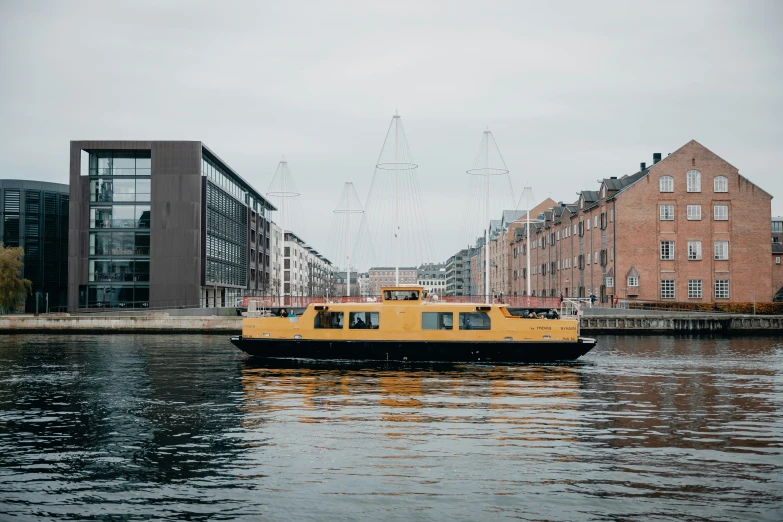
[[150, 324]]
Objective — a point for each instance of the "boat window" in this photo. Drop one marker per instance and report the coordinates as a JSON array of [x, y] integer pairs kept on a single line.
[[328, 320], [437, 320], [400, 295], [363, 320], [473, 321]]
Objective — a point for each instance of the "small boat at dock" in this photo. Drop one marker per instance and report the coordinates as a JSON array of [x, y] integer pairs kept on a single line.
[[406, 326]]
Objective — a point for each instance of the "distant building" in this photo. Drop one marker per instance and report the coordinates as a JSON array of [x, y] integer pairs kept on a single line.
[[385, 276], [162, 224], [432, 276], [777, 229], [306, 272], [458, 273], [34, 215], [777, 272]]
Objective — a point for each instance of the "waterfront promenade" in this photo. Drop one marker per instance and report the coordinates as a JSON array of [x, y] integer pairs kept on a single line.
[[609, 321]]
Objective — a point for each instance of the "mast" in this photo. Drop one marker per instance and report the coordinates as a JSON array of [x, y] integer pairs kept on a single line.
[[487, 217], [347, 253], [282, 226], [396, 202]]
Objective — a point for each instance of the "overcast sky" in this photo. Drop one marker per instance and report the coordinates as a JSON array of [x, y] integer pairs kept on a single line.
[[572, 91]]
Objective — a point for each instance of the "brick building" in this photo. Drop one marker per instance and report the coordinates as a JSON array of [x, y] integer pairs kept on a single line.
[[385, 276], [688, 228]]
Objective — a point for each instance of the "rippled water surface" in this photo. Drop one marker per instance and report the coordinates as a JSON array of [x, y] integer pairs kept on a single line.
[[187, 428]]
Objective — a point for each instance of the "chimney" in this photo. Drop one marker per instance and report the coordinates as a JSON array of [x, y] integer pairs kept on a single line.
[[642, 165], [656, 157], [613, 177]]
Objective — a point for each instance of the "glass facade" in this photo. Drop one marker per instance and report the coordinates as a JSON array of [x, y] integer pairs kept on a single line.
[[119, 257]]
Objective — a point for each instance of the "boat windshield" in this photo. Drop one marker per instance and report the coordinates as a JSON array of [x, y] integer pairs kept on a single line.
[[400, 295]]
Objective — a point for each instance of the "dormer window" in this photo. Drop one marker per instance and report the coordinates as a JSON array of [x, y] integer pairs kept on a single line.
[[603, 192]]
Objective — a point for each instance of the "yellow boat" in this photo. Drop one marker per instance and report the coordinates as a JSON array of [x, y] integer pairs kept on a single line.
[[406, 326]]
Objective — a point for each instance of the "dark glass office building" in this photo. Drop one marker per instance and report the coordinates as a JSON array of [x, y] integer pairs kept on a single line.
[[160, 224], [34, 215]]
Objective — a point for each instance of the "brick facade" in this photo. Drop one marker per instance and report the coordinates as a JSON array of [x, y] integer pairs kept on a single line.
[[621, 231]]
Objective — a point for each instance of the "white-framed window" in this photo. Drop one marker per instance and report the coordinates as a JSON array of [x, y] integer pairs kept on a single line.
[[588, 258], [575, 231], [694, 181], [667, 250], [595, 221], [667, 212], [633, 281], [667, 184], [609, 282], [694, 288], [694, 250], [611, 215], [667, 288], [721, 250], [587, 223], [777, 260], [595, 258], [558, 235], [721, 184], [575, 261], [694, 212], [721, 289], [721, 212]]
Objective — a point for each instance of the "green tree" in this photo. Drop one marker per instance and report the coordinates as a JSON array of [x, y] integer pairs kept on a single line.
[[13, 289]]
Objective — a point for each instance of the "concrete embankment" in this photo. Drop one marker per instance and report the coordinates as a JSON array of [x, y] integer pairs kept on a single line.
[[103, 324], [686, 322], [590, 324]]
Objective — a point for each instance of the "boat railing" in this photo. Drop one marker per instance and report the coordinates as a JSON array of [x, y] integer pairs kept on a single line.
[[571, 309]]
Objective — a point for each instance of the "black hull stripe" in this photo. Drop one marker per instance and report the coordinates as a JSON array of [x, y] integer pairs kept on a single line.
[[421, 351]]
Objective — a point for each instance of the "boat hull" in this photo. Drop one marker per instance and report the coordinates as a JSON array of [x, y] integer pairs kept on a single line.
[[422, 351]]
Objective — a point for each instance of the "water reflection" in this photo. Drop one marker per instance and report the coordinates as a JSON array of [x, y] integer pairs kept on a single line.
[[186, 427]]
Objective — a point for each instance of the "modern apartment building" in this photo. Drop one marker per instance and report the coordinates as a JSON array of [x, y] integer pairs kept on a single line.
[[162, 224], [34, 215], [777, 229], [688, 228], [307, 273], [458, 273], [385, 276]]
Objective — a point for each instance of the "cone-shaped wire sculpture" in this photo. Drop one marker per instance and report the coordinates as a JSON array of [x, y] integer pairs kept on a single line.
[[288, 216], [489, 190], [350, 241], [489, 194], [395, 212]]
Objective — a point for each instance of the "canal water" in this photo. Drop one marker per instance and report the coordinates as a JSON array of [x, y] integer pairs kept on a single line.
[[177, 427]]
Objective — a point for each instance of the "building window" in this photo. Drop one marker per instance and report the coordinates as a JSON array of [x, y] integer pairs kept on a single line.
[[667, 184], [694, 181], [667, 212], [694, 288], [667, 250], [667, 288], [777, 260], [777, 226], [610, 282], [595, 221], [694, 212], [722, 289], [694, 250], [588, 223], [721, 212], [437, 320], [721, 184], [721, 250], [595, 258], [633, 281]]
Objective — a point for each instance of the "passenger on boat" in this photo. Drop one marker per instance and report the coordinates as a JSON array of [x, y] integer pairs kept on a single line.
[[282, 313], [359, 323]]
